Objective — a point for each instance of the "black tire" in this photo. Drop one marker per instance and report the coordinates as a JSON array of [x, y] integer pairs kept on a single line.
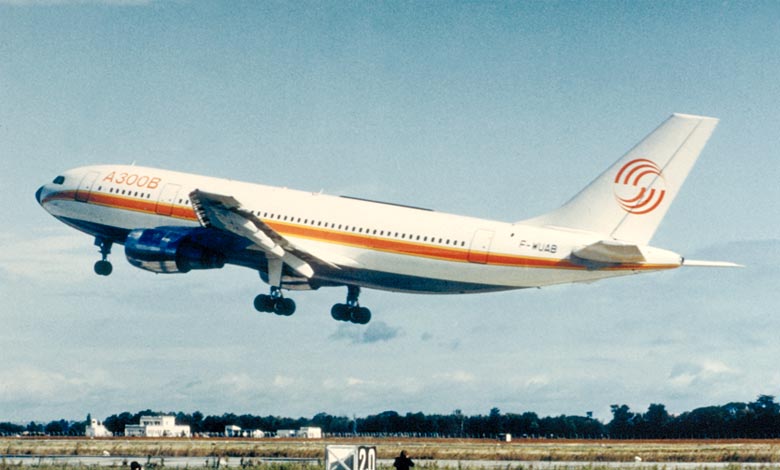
[[360, 315], [340, 312], [284, 307], [264, 303], [103, 268]]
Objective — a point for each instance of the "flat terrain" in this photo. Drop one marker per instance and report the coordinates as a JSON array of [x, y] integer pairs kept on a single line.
[[422, 450]]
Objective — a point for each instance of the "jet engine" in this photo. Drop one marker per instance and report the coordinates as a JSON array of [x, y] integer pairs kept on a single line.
[[169, 250]]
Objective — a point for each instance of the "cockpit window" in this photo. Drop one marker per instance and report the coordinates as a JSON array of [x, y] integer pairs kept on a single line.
[[59, 180]]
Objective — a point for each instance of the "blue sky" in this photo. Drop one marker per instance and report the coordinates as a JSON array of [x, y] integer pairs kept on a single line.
[[497, 110]]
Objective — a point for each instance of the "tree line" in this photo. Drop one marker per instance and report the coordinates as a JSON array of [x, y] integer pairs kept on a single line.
[[757, 419]]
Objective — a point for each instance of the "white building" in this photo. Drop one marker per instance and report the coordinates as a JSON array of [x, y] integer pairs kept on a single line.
[[157, 426], [235, 431], [304, 433], [96, 429], [309, 433]]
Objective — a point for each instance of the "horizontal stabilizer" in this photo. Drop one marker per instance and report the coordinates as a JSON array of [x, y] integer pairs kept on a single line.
[[711, 264], [610, 251]]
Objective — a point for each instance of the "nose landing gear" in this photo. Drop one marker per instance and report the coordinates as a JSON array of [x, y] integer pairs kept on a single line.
[[103, 267], [351, 311]]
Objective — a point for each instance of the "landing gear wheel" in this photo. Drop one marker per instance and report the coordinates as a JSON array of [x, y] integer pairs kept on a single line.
[[284, 307], [340, 312], [351, 313], [103, 268], [360, 315], [264, 303], [277, 305]]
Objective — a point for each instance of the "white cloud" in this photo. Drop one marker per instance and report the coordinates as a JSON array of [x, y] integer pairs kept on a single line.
[[47, 256], [354, 382], [282, 381], [30, 384], [458, 376], [537, 381], [707, 371]]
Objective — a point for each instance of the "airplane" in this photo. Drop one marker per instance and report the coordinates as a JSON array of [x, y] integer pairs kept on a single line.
[[172, 222]]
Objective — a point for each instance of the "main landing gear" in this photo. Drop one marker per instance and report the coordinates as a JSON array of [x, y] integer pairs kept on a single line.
[[275, 303], [282, 306], [103, 267], [351, 311], [278, 304]]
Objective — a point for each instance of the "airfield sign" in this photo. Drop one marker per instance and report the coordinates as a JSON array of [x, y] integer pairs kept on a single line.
[[342, 457]]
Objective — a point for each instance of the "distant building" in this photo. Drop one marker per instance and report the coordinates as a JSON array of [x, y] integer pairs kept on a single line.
[[96, 429], [304, 433], [235, 431], [310, 433], [157, 426], [232, 431]]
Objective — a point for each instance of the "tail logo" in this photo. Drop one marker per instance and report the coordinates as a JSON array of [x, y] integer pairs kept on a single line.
[[639, 186]]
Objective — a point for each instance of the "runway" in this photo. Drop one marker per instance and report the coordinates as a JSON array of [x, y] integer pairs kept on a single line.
[[232, 462]]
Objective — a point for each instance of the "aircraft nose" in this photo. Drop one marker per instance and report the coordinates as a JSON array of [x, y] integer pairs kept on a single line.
[[38, 194]]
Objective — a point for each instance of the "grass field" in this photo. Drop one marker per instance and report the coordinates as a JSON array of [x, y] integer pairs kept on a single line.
[[700, 451]]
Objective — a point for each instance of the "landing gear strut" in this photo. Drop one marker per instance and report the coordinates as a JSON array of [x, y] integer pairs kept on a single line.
[[351, 311], [103, 267], [275, 303]]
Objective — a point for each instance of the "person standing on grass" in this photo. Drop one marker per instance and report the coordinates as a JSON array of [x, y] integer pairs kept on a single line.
[[403, 462]]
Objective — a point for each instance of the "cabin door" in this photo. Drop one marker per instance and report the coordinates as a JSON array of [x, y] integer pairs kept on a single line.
[[167, 199], [480, 246], [85, 187]]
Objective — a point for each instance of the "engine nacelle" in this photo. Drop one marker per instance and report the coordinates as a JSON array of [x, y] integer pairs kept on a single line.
[[169, 250]]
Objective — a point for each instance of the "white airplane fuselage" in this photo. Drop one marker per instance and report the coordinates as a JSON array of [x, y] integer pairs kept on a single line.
[[375, 245], [174, 222]]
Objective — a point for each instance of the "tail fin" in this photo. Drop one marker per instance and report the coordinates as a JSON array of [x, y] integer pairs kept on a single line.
[[629, 200]]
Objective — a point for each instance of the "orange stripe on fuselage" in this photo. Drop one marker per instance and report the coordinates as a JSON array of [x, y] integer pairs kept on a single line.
[[357, 240]]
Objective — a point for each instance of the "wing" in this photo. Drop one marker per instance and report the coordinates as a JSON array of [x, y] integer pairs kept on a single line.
[[226, 213]]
